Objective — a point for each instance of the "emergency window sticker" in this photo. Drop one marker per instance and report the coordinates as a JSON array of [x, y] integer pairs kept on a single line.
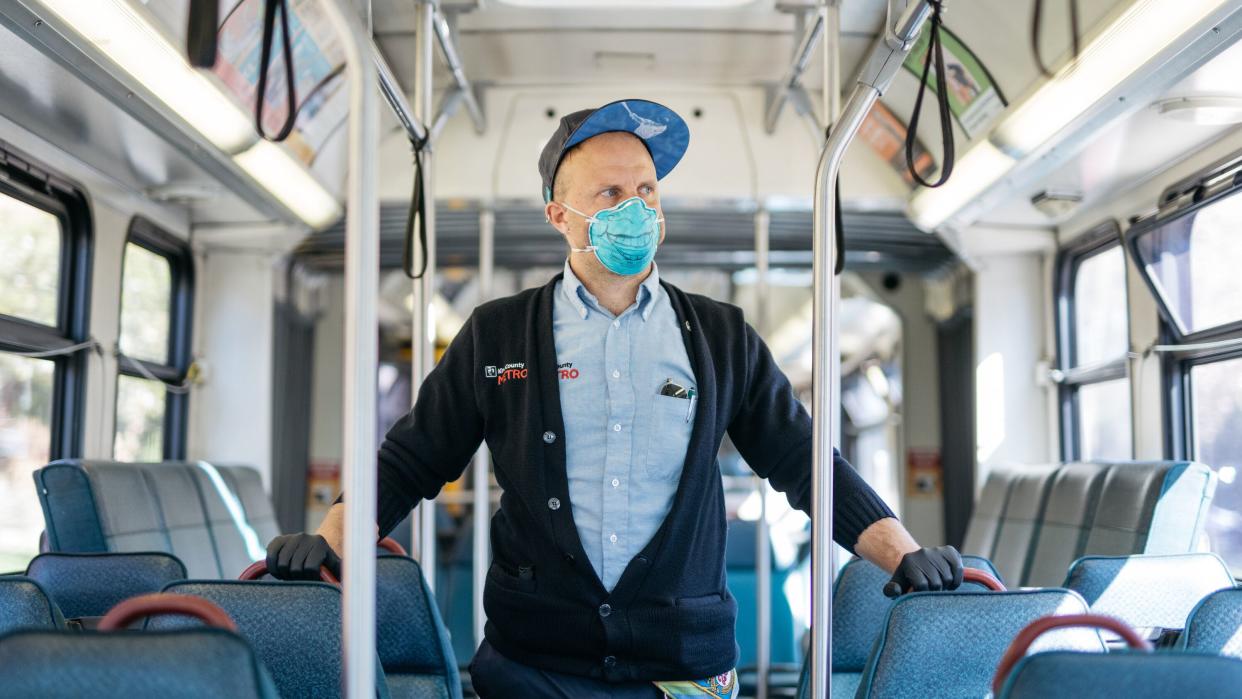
[[566, 371], [509, 372]]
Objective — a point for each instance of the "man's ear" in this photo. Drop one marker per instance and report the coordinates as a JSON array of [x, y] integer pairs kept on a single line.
[[556, 215]]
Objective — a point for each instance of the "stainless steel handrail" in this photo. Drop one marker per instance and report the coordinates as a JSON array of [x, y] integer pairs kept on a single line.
[[877, 74], [361, 353]]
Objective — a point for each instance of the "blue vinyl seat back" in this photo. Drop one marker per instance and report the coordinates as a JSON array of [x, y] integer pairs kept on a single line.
[[986, 516], [743, 585], [1072, 500], [948, 644], [1215, 626], [189, 664], [858, 611], [411, 638], [246, 483], [294, 627], [1164, 675], [183, 508], [1148, 592], [25, 605], [1151, 507], [89, 584], [1021, 522]]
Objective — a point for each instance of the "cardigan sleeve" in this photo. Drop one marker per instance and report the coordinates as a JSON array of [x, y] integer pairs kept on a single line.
[[772, 431], [432, 444]]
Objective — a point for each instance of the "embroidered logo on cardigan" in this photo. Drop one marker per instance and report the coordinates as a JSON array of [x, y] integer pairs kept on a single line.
[[509, 372]]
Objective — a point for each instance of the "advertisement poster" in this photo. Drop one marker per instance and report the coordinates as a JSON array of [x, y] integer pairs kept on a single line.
[[318, 64], [973, 98], [886, 135]]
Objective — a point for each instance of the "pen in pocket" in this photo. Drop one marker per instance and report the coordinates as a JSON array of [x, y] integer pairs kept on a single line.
[[690, 408]]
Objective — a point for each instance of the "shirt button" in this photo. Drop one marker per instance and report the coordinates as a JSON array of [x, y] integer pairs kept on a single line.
[[549, 437], [554, 504], [605, 610], [610, 660], [616, 323], [612, 538], [615, 482], [616, 374], [616, 427]]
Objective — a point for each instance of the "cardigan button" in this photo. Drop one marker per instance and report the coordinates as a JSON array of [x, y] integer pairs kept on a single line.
[[605, 610], [569, 558], [549, 437], [554, 504], [610, 660]]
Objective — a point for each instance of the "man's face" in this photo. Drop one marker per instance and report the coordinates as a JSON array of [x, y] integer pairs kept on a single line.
[[599, 173]]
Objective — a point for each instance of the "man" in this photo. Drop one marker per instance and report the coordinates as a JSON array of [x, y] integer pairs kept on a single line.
[[603, 397]]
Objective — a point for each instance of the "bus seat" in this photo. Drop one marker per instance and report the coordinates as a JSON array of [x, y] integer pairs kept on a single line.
[[248, 485], [1063, 528], [188, 664], [1215, 625], [87, 585], [294, 627], [1127, 674], [176, 507], [25, 605], [949, 643], [1150, 593], [742, 584], [858, 611], [411, 638], [985, 519], [1152, 507], [1019, 525]]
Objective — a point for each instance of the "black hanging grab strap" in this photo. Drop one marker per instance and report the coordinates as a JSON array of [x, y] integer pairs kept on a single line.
[[200, 33], [417, 217], [265, 59], [1036, 28], [934, 50]]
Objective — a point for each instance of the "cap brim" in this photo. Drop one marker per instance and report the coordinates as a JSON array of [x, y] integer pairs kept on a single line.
[[664, 132]]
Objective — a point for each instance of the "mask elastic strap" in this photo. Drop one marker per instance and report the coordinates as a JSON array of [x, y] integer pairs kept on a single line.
[[567, 206], [589, 248]]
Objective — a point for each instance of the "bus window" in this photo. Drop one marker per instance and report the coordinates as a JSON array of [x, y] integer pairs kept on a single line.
[[1216, 410], [150, 400], [40, 328], [1095, 393], [1191, 262]]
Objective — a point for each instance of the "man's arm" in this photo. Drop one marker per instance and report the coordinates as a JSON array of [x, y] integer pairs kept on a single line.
[[428, 447], [773, 433]]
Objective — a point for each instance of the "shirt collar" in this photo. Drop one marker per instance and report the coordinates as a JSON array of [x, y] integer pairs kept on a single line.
[[584, 301]]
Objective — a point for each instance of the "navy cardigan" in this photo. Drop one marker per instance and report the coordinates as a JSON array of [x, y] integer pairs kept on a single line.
[[670, 615]]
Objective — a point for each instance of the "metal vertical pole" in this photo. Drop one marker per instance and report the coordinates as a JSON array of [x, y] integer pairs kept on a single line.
[[482, 460], [763, 543], [424, 289], [832, 61], [904, 22], [361, 355]]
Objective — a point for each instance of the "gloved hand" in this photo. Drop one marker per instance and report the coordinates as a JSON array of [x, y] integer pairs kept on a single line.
[[926, 570], [298, 557]]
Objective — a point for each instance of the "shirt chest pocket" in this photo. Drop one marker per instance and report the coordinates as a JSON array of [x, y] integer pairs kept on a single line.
[[671, 422]]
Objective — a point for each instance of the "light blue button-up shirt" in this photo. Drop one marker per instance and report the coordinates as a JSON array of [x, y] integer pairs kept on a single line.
[[625, 444]]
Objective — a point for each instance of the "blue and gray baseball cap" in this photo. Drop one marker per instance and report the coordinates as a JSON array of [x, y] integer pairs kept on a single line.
[[663, 132]]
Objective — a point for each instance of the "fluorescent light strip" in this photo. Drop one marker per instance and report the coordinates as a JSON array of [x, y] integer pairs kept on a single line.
[[1146, 28], [979, 169], [132, 42], [287, 180], [128, 38]]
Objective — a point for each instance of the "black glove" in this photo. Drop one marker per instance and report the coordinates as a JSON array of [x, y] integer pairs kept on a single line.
[[298, 557], [926, 570]]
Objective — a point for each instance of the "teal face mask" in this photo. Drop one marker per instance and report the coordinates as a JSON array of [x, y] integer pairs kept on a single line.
[[623, 237]]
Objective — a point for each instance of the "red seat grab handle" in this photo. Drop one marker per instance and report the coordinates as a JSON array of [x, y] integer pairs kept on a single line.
[[258, 569], [974, 575], [390, 545], [126, 612], [1022, 642]]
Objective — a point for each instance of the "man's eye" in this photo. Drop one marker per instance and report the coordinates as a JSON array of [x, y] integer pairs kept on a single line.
[[646, 189], [610, 192]]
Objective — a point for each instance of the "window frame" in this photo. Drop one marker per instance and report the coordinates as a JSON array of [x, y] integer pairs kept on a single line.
[[147, 235], [29, 183], [1070, 378]]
